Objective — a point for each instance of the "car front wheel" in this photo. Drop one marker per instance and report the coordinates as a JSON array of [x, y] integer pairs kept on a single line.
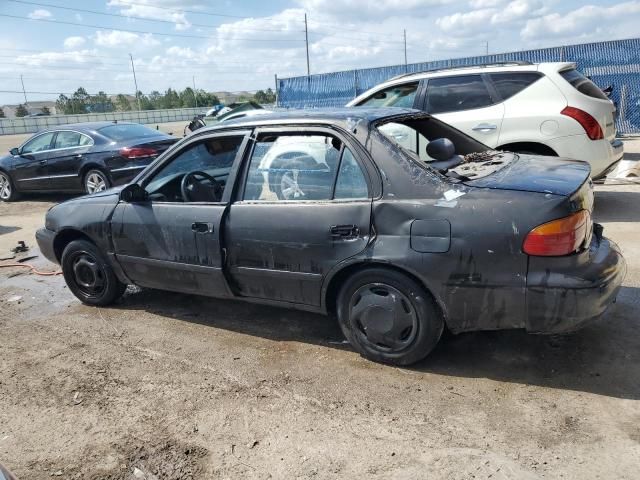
[[7, 191], [89, 276], [96, 181], [388, 317]]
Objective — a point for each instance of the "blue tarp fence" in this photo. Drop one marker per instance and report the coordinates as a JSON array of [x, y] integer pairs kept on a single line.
[[614, 63]]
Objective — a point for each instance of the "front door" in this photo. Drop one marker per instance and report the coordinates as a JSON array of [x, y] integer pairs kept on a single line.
[[468, 103], [305, 208], [30, 165], [172, 240]]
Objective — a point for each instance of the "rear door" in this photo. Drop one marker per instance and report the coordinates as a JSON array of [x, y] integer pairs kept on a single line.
[[65, 159], [282, 247], [30, 165], [467, 102], [172, 241]]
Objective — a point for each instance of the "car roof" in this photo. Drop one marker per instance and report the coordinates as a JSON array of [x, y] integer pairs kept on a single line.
[[84, 127], [345, 117]]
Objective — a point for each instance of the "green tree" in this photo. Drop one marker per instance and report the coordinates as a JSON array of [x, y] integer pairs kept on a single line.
[[63, 104], [45, 110], [206, 99], [146, 103], [2, 113], [100, 103], [171, 99], [21, 111], [79, 101], [122, 103], [155, 98], [267, 96], [188, 98]]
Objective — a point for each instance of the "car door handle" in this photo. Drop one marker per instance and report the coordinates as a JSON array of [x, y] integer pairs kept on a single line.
[[344, 231], [78, 156], [484, 127], [43, 162], [202, 227]]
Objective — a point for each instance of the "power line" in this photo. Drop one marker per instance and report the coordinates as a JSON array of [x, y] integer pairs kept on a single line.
[[119, 15], [182, 35]]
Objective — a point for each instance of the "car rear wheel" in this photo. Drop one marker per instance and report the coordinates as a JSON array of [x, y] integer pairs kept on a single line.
[[96, 181], [89, 276], [388, 317], [7, 191]]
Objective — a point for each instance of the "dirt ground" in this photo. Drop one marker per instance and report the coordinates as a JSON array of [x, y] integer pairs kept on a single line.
[[172, 386]]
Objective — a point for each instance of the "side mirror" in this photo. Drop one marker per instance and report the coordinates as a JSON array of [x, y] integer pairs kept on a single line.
[[133, 193], [441, 149], [15, 152]]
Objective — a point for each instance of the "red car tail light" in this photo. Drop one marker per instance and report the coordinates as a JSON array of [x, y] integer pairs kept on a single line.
[[590, 124], [133, 153], [559, 237]]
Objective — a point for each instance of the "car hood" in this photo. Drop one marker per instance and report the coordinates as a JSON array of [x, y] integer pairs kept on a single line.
[[536, 173]]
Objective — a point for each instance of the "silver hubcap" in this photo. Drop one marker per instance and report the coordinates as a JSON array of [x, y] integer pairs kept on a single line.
[[289, 185], [96, 183], [5, 187]]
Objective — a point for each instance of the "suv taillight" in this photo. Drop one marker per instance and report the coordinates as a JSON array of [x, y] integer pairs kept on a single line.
[[133, 153], [559, 237], [590, 124]]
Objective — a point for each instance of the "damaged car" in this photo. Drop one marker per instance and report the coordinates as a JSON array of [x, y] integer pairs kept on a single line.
[[224, 114], [398, 239]]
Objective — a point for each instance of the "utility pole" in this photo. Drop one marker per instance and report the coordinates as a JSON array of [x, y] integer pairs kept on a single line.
[[486, 47], [405, 50], [276, 79], [195, 97], [306, 41], [24, 92], [135, 81]]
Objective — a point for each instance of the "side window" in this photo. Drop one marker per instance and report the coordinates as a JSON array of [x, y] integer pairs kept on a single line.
[[509, 83], [293, 167], [396, 96], [463, 92], [351, 182], [198, 173], [38, 144], [68, 140]]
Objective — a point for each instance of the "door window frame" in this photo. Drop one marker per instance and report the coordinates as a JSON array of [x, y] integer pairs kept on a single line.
[[363, 160], [147, 175], [493, 93]]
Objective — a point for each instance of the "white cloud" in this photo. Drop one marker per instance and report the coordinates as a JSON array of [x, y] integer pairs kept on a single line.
[[484, 19], [615, 20], [53, 58], [377, 9], [40, 13], [117, 38], [465, 22], [168, 10], [518, 9], [73, 42], [478, 4]]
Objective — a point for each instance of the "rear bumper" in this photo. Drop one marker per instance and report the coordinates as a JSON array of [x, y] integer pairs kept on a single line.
[[565, 293], [45, 238], [602, 155]]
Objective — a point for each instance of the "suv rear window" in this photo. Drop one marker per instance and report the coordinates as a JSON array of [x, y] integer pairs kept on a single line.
[[509, 83], [583, 84], [127, 131], [451, 94]]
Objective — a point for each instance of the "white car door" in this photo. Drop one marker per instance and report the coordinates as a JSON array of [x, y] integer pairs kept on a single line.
[[466, 102]]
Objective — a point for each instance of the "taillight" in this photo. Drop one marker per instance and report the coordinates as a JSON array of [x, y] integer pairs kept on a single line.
[[559, 237], [133, 153], [590, 124]]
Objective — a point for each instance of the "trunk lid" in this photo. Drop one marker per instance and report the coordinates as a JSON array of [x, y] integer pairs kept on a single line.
[[533, 173], [159, 143]]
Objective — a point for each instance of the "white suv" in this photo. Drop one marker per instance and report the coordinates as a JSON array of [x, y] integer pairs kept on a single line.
[[545, 108]]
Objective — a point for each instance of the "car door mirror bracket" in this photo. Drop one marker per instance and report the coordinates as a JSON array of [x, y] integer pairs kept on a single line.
[[15, 151], [133, 193]]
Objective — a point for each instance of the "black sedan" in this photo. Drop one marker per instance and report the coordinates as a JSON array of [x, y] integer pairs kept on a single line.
[[82, 157], [396, 241]]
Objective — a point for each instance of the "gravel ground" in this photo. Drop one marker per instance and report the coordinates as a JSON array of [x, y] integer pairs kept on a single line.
[[172, 386]]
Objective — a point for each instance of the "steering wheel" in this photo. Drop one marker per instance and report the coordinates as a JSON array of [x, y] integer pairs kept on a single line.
[[194, 191]]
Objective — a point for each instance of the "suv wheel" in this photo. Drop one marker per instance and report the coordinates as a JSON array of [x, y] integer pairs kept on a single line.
[[388, 317]]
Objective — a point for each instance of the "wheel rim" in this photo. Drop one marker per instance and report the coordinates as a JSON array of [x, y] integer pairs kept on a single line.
[[96, 182], [383, 318], [289, 185], [88, 276], [5, 187]]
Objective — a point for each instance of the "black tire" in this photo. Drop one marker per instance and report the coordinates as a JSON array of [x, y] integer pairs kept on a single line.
[[411, 320], [88, 274], [89, 179], [8, 192]]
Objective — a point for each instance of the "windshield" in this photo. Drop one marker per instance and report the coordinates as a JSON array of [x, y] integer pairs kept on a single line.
[[583, 84], [127, 131]]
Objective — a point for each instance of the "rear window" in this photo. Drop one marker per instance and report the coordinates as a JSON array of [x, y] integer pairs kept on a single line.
[[127, 131], [509, 83], [452, 94], [583, 84]]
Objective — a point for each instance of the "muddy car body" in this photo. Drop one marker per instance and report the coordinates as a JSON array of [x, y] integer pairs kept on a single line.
[[396, 246]]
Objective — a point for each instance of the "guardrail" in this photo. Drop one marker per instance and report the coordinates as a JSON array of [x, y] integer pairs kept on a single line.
[[11, 126]]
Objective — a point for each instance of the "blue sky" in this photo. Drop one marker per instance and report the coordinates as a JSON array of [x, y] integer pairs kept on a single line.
[[240, 45]]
